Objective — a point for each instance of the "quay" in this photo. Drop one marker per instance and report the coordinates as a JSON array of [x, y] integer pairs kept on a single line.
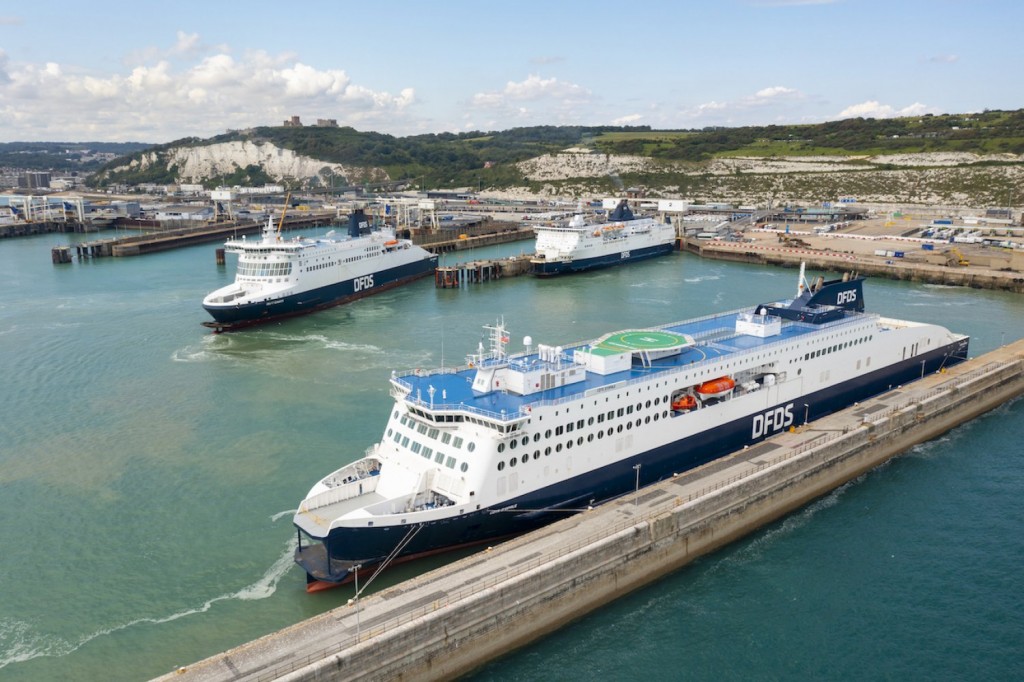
[[449, 621], [137, 245], [863, 261]]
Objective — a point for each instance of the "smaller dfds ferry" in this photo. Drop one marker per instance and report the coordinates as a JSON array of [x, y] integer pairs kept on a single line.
[[279, 278], [581, 246]]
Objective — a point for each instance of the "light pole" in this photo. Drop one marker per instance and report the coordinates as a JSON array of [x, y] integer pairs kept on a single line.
[[358, 628], [636, 498], [807, 411]]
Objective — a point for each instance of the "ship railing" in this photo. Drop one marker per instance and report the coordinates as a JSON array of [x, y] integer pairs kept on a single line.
[[340, 493]]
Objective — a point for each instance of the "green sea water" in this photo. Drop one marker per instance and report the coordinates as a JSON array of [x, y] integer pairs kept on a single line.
[[149, 470]]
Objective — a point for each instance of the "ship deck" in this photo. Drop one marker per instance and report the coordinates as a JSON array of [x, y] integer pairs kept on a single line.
[[714, 337]]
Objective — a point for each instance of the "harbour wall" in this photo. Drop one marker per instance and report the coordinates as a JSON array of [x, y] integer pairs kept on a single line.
[[966, 276], [447, 622]]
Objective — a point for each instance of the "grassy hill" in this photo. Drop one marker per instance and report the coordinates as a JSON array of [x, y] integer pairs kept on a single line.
[[679, 161]]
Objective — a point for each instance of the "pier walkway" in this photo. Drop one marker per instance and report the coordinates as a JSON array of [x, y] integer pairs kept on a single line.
[[450, 620]]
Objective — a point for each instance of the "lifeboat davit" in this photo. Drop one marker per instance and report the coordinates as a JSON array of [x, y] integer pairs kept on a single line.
[[684, 402], [716, 387]]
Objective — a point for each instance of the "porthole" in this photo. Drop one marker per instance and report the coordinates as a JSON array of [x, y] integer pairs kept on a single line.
[[525, 459], [501, 466], [512, 462], [501, 447], [471, 446]]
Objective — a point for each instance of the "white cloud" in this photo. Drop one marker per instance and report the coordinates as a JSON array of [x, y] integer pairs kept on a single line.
[[626, 120], [183, 94], [187, 43], [777, 91], [874, 109]]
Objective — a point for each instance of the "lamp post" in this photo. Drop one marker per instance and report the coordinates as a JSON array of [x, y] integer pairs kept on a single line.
[[358, 628], [636, 498], [807, 411]]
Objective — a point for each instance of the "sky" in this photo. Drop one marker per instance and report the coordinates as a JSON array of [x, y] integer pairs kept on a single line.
[[155, 72]]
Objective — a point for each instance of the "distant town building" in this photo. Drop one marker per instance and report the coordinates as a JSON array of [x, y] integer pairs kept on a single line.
[[34, 180], [293, 122], [327, 123], [178, 213], [266, 189]]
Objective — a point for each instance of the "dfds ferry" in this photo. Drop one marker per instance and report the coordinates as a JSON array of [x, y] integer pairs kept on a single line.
[[582, 246], [280, 278], [513, 441]]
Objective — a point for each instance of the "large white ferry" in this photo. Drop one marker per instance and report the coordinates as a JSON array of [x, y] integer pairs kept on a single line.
[[279, 278], [510, 442], [582, 246]]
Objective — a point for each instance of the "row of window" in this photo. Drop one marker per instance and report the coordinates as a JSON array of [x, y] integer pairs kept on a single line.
[[579, 424], [601, 433], [426, 451], [264, 269], [833, 349]]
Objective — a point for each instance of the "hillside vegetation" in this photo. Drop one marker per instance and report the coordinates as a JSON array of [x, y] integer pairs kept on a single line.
[[852, 156]]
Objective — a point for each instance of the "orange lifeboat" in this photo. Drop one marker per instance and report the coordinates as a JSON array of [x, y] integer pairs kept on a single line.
[[716, 387], [391, 242], [684, 402]]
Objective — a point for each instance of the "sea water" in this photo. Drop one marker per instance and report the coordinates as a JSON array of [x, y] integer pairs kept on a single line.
[[149, 470]]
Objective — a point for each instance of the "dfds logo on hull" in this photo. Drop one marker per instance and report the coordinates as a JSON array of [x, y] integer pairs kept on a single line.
[[772, 421], [360, 283]]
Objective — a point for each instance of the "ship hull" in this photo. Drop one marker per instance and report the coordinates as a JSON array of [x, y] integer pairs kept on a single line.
[[542, 268], [229, 317], [329, 559]]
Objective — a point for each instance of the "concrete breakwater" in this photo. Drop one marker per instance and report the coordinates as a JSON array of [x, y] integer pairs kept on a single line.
[[453, 619], [969, 276]]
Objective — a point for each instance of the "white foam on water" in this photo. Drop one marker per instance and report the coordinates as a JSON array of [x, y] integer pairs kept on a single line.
[[19, 644]]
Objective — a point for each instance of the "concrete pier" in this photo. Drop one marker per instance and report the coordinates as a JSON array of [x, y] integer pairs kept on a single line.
[[453, 619], [476, 272], [889, 268]]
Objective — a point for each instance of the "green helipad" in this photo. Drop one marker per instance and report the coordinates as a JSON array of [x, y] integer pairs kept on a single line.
[[639, 340]]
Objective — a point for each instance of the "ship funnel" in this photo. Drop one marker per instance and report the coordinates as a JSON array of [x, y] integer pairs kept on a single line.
[[356, 222]]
